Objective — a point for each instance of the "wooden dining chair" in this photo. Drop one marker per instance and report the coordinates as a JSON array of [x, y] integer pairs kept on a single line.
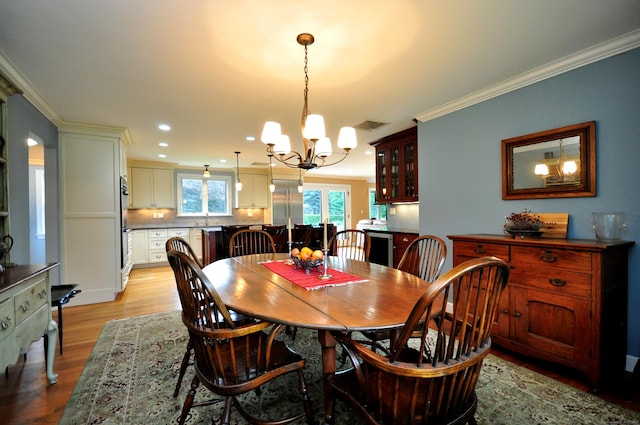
[[279, 234], [231, 359], [251, 241], [351, 243], [424, 257], [179, 244], [433, 380]]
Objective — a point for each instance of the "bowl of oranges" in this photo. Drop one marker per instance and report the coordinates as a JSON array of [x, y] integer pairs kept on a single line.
[[307, 258]]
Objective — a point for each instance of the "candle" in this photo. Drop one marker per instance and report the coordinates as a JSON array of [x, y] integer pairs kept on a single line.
[[290, 240], [326, 220]]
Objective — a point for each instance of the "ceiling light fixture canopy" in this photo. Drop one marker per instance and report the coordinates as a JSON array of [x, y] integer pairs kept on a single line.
[[238, 182], [206, 172], [317, 147]]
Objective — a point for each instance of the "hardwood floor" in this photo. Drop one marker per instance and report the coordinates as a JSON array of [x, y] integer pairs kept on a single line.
[[27, 398]]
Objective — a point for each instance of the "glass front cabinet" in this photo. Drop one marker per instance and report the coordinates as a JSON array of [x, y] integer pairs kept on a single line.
[[397, 167]]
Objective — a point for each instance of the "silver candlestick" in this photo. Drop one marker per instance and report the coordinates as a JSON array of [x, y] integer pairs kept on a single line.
[[325, 266]]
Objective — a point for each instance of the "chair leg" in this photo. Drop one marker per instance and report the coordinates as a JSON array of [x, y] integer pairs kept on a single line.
[[225, 419], [188, 402], [306, 401], [183, 368]]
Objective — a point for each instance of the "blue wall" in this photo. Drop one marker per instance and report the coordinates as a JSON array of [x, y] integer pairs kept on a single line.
[[23, 118], [460, 166]]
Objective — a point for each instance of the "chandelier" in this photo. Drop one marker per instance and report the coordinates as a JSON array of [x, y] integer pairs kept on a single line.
[[563, 168], [317, 147]]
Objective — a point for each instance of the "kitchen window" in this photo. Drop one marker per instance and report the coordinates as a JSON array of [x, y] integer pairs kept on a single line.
[[204, 196], [376, 211]]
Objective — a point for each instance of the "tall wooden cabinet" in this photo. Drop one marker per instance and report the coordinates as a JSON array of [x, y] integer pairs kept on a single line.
[[397, 167], [566, 300]]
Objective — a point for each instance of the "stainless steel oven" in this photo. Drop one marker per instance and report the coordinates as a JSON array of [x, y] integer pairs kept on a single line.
[[381, 248]]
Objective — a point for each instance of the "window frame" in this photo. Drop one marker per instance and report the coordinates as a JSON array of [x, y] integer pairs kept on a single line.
[[226, 177]]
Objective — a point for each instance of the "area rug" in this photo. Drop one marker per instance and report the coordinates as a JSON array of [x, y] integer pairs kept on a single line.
[[131, 374]]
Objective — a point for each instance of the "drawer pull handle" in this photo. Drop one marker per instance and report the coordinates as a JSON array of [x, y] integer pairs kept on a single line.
[[6, 324], [479, 250], [405, 239], [548, 257], [24, 307], [517, 314], [42, 294], [557, 282], [505, 311]]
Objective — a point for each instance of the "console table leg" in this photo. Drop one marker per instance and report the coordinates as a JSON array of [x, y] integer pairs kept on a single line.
[[52, 331]]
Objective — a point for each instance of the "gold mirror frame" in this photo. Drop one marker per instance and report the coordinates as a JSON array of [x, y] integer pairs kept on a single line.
[[546, 147]]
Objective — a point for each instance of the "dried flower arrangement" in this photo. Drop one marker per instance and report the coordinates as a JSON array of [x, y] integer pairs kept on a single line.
[[524, 220]]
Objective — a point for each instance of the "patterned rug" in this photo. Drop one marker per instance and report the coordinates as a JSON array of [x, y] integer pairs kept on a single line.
[[130, 377]]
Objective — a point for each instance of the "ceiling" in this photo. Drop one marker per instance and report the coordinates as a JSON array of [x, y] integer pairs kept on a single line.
[[216, 70]]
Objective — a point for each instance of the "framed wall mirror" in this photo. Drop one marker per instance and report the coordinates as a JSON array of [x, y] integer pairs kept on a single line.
[[558, 163]]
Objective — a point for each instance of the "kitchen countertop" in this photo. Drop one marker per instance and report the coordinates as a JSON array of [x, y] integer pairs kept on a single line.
[[391, 231]]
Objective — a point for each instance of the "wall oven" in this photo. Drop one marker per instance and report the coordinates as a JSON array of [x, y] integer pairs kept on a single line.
[[381, 248]]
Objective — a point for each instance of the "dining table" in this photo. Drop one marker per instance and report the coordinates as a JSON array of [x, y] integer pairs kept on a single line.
[[359, 296]]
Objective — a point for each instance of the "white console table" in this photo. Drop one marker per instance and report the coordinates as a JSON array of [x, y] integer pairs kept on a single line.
[[25, 313]]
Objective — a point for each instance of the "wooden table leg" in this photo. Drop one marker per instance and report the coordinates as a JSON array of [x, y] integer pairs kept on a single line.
[[328, 344]]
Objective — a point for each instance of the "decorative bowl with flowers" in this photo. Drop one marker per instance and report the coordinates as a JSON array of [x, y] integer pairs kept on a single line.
[[523, 224], [306, 258]]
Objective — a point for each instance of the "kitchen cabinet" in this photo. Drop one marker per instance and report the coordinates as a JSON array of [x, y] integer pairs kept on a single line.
[[397, 167], [149, 245], [139, 250], [90, 213], [195, 240], [400, 243], [151, 188], [566, 300], [254, 193]]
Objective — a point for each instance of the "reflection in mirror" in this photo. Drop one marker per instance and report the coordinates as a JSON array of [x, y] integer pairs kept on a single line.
[[547, 164], [556, 163]]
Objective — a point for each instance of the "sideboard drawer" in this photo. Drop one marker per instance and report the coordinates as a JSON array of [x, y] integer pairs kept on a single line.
[[560, 258], [481, 249], [29, 300], [7, 318], [557, 280]]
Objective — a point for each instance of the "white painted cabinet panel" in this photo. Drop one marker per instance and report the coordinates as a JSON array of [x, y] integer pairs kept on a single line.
[[254, 193], [151, 188]]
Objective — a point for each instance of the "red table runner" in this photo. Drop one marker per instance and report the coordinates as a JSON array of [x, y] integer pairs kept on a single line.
[[311, 280]]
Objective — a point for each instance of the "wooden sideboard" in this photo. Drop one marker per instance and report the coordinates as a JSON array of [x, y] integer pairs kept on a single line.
[[25, 313], [566, 300]]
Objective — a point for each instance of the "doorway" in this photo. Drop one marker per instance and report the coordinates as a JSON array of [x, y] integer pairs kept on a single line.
[[327, 201], [37, 229]]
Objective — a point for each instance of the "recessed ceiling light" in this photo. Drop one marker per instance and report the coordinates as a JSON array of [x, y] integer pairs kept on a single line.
[[250, 138], [368, 152], [163, 144], [162, 155], [223, 160], [164, 127]]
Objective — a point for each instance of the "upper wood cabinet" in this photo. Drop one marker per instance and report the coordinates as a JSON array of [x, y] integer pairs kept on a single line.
[[151, 188], [254, 193], [397, 167]]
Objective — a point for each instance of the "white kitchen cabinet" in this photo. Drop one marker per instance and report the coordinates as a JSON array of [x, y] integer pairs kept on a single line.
[[139, 254], [195, 240], [90, 233], [151, 188], [149, 245], [254, 193]]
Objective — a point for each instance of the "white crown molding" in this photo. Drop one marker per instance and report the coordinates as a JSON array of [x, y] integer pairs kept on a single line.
[[28, 90], [584, 57]]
